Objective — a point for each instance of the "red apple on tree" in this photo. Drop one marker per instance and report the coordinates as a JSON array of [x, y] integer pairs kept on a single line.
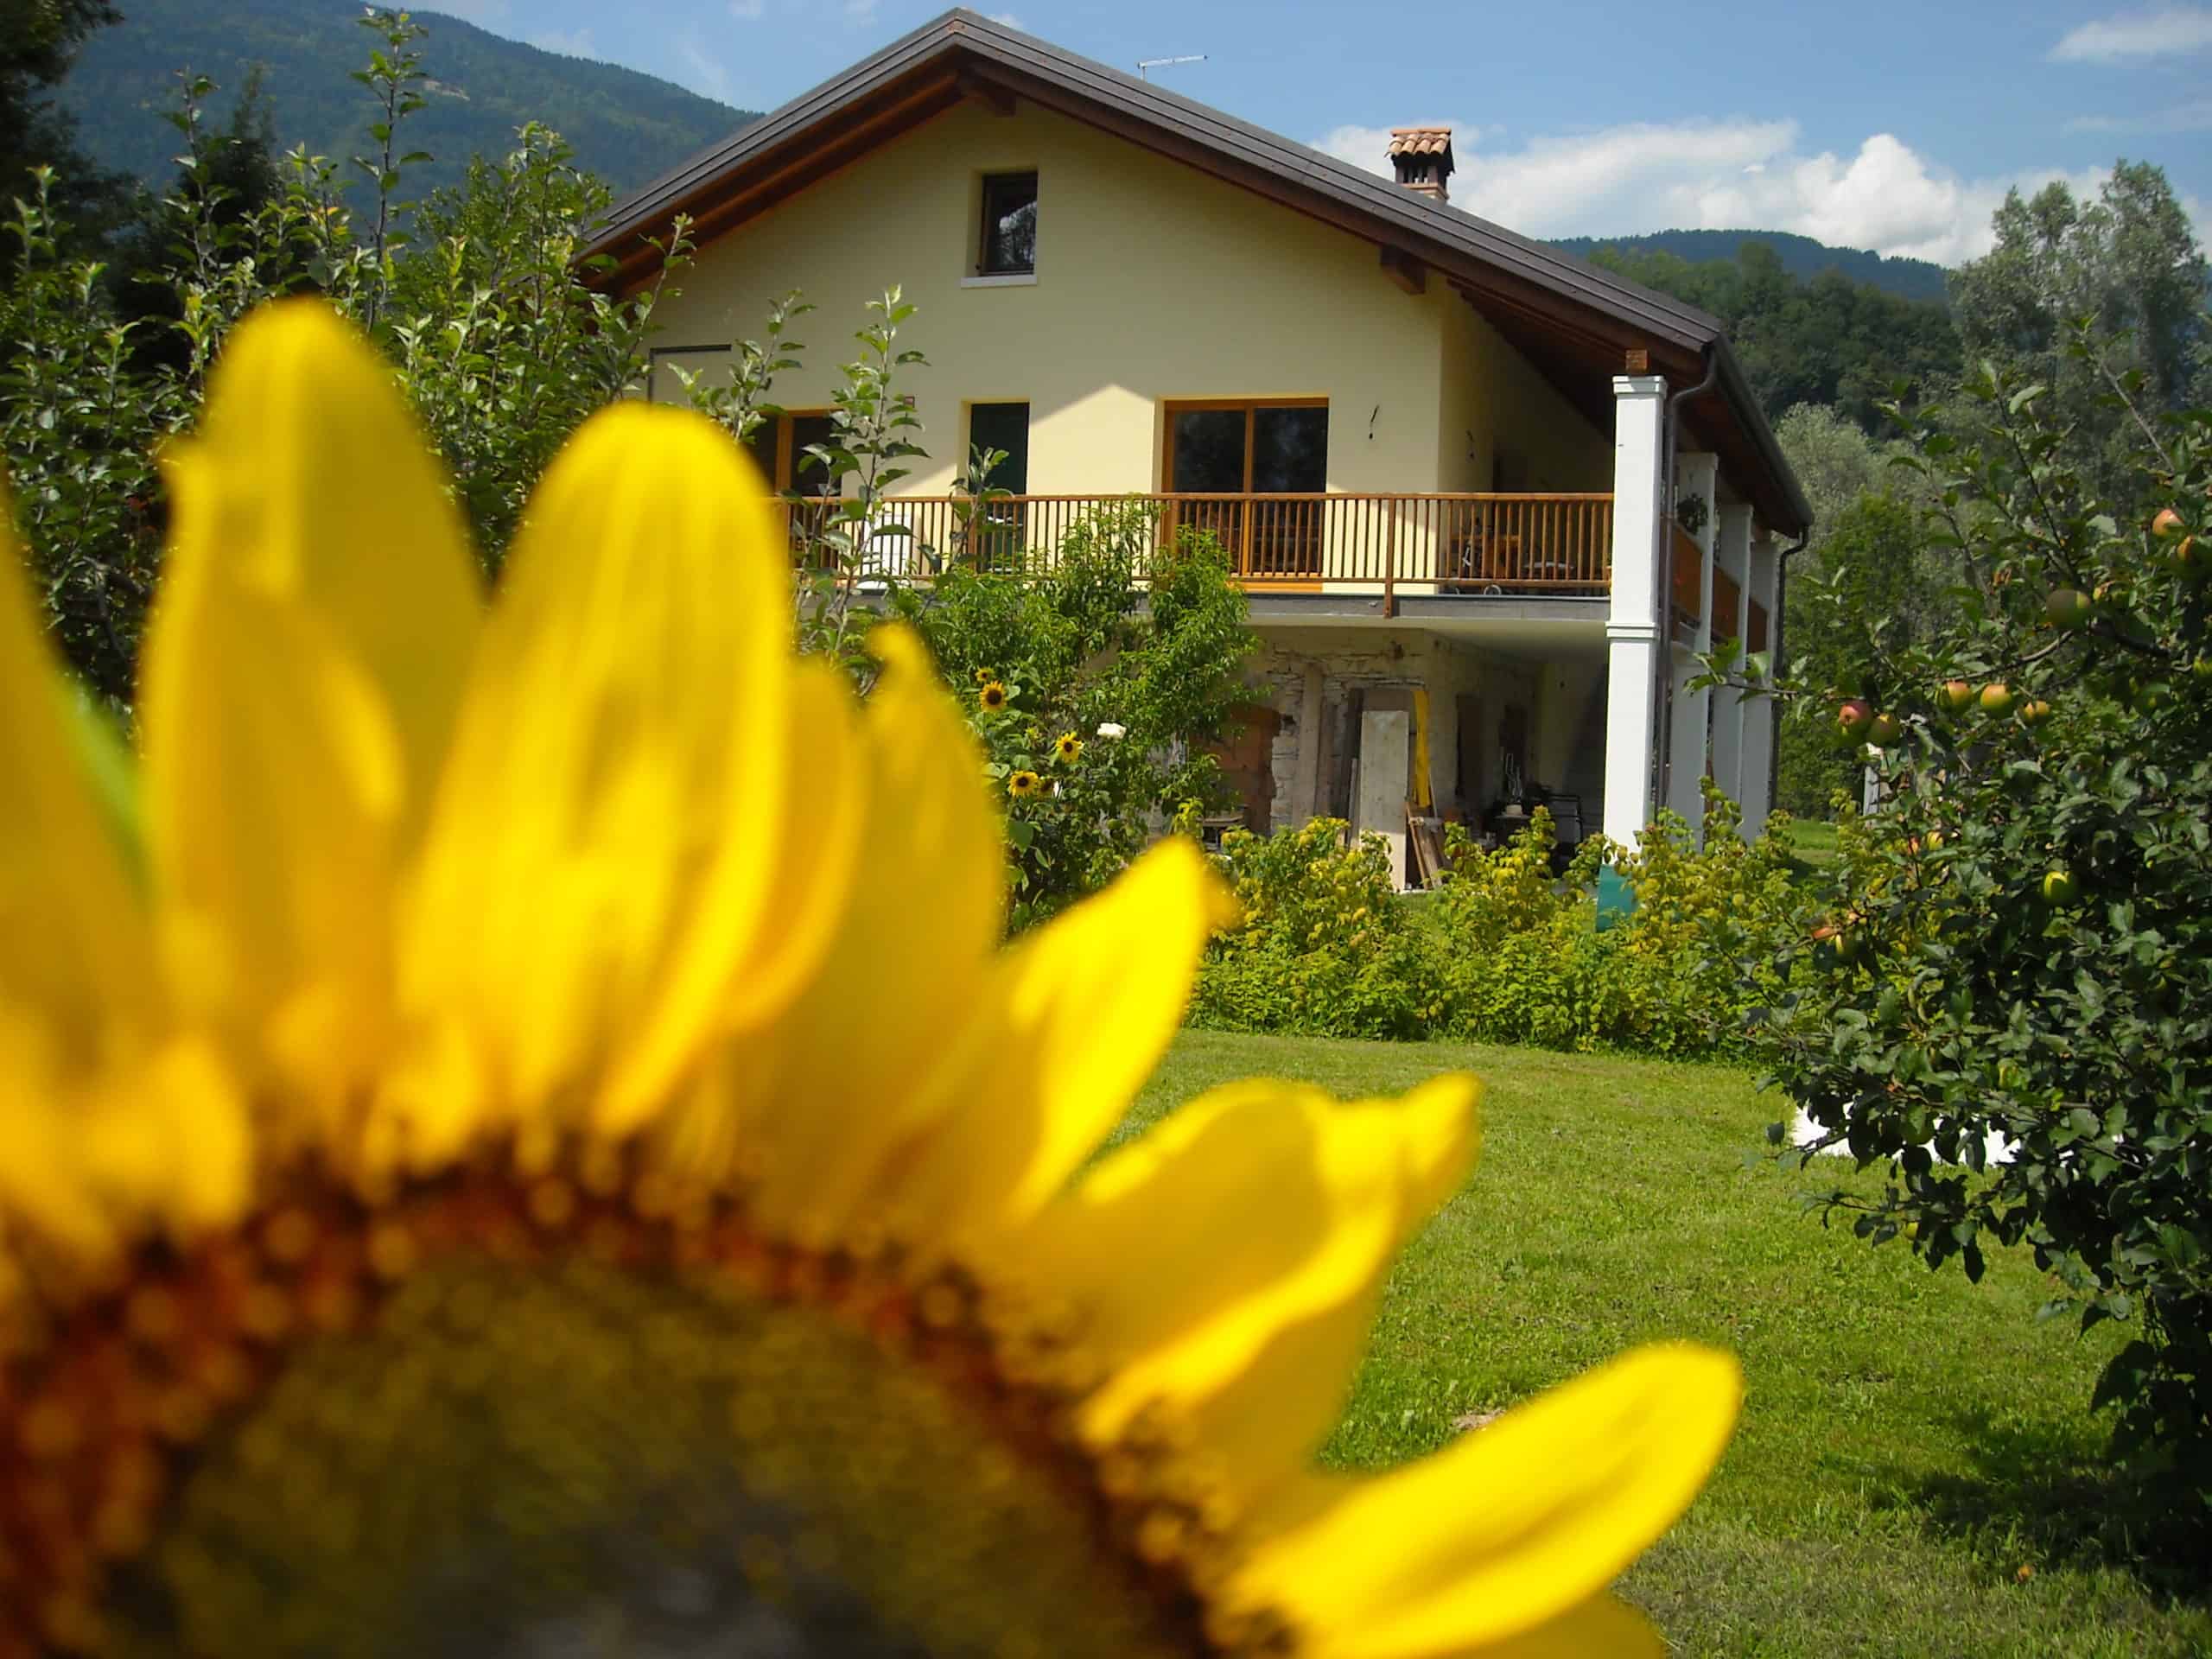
[[1957, 694], [1884, 730], [1856, 716], [1997, 698], [2034, 713], [2167, 524]]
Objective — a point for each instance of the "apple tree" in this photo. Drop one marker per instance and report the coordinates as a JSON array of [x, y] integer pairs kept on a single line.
[[2016, 942]]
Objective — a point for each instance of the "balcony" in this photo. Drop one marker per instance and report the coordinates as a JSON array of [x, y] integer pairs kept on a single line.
[[1475, 546]]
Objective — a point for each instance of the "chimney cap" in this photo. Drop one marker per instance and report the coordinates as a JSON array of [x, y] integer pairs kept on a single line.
[[1422, 141], [1421, 157]]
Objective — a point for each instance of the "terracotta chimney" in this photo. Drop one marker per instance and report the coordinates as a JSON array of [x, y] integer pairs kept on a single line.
[[1422, 157]]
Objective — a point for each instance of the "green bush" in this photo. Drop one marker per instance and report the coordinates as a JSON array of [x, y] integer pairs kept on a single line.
[[1505, 952], [2016, 939], [1095, 679], [1324, 945]]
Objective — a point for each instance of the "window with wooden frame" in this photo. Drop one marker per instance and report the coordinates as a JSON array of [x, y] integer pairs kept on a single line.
[[778, 447], [1007, 244], [1252, 448]]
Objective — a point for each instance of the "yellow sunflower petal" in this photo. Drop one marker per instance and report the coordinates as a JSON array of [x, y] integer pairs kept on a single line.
[[73, 942], [1074, 1018], [88, 1162], [599, 869], [698, 1134], [300, 679], [1226, 1266], [858, 1061], [1505, 1531], [1600, 1628]]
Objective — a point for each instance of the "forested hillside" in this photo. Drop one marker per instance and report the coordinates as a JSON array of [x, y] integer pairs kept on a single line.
[[625, 126], [1801, 256], [1831, 340]]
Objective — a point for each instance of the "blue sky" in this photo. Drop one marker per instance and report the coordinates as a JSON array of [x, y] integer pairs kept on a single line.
[[1876, 124]]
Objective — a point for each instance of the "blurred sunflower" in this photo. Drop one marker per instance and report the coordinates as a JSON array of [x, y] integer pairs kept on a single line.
[[985, 675], [535, 1146], [1023, 784], [1067, 750], [992, 696]]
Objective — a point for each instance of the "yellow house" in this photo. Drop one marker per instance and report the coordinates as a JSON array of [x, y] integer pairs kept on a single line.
[[1452, 466]]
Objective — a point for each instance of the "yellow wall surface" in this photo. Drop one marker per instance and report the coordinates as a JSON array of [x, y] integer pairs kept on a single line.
[[1154, 283], [1495, 400]]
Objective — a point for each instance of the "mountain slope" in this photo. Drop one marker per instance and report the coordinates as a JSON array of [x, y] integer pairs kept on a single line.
[[626, 126], [1801, 256]]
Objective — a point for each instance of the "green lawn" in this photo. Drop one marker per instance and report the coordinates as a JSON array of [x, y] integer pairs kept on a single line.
[[1812, 840], [1910, 1443]]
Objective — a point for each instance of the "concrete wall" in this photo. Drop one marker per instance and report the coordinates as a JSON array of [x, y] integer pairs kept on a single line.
[[1495, 400], [1153, 282]]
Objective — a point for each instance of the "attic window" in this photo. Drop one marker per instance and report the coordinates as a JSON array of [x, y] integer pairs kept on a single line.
[[1009, 241]]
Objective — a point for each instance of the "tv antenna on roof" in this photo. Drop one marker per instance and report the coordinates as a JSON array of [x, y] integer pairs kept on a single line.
[[1146, 66]]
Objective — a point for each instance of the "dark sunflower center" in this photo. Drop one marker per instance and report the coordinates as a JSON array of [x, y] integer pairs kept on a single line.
[[572, 1460]]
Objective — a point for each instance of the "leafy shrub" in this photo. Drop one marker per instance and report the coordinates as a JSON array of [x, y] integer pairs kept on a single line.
[[1505, 952], [1324, 945], [2016, 939], [1106, 686]]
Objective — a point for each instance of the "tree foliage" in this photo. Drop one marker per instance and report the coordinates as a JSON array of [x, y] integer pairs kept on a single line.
[[627, 127], [2126, 266], [1831, 340], [1095, 683], [39, 41], [475, 299], [2018, 935]]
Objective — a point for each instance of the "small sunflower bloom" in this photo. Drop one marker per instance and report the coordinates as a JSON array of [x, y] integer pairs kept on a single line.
[[540, 1111], [985, 675], [1067, 750], [1023, 784], [992, 697]]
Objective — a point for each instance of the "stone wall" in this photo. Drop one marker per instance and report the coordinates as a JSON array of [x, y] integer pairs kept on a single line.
[[1313, 677]]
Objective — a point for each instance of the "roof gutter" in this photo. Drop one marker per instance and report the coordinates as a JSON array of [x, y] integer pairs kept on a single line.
[[1662, 702]]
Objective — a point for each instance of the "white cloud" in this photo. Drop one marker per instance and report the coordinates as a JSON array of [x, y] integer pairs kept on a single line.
[[1006, 17], [860, 11], [1739, 175], [572, 43], [748, 11], [2162, 32], [2186, 117]]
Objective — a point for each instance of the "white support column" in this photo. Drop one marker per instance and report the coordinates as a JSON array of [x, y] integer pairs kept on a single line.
[[1764, 588], [1731, 555], [1633, 645], [1695, 474]]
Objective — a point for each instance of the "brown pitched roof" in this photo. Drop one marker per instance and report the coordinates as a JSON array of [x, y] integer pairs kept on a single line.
[[1574, 320]]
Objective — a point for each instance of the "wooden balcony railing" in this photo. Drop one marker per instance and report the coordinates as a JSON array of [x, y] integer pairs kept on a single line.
[[1475, 546], [1686, 573]]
